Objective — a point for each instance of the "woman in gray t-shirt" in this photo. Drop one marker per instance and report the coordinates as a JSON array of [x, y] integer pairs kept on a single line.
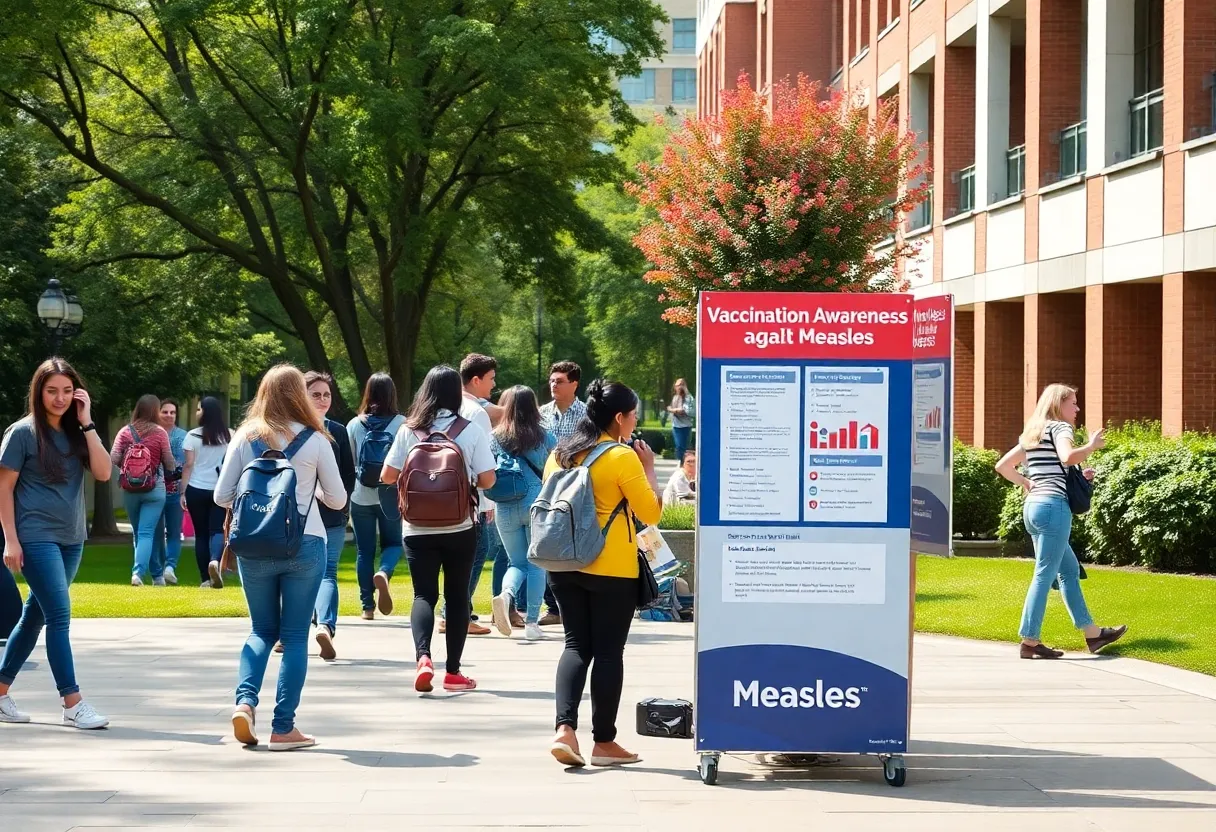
[[42, 464]]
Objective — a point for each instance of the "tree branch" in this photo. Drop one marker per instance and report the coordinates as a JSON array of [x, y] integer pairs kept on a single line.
[[142, 255]]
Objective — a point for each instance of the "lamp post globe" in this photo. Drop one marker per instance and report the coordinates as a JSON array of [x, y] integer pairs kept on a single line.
[[60, 313]]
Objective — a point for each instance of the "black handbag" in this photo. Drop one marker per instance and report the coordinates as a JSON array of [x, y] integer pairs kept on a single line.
[[1080, 491], [648, 587]]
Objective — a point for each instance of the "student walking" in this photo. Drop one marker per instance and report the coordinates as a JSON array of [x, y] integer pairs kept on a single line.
[[683, 410], [43, 458], [521, 446], [205, 448], [373, 505], [598, 603], [320, 393], [436, 461], [280, 584], [167, 540], [1046, 451], [561, 417], [140, 451]]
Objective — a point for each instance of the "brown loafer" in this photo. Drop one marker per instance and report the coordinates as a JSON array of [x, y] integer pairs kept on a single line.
[[1108, 636], [517, 620], [1039, 651]]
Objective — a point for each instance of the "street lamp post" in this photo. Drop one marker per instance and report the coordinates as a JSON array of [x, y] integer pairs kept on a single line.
[[60, 313]]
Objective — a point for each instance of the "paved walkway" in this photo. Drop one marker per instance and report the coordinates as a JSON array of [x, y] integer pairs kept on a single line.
[[1100, 745]]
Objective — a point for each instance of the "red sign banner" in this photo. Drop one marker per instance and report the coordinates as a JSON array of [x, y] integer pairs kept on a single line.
[[933, 327]]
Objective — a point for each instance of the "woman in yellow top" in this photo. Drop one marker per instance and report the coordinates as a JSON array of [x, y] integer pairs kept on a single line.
[[597, 603]]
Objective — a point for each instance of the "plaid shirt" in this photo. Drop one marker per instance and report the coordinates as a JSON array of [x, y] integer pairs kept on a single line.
[[562, 424]]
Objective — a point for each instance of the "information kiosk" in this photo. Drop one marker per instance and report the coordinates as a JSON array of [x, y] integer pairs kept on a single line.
[[933, 425], [804, 571]]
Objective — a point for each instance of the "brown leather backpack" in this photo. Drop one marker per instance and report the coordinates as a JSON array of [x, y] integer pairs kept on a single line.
[[434, 490]]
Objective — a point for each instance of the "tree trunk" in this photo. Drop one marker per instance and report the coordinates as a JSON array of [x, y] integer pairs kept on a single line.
[[402, 346], [103, 497]]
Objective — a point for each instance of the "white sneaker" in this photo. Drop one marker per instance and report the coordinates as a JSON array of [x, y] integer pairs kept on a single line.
[[501, 616], [9, 712], [533, 632], [83, 716], [158, 582], [170, 576], [135, 581]]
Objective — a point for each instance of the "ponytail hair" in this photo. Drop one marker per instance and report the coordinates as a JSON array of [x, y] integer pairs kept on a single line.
[[605, 401]]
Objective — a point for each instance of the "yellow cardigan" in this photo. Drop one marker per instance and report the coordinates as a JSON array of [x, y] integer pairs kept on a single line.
[[618, 474]]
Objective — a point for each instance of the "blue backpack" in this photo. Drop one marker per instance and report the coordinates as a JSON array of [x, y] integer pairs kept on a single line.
[[373, 451], [266, 520], [510, 480]]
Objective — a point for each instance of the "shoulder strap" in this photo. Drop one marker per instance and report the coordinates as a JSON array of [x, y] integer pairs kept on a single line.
[[259, 447], [539, 474], [596, 452], [457, 427], [134, 434], [297, 443]]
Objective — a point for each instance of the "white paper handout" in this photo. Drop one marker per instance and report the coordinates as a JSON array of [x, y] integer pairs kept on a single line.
[[651, 544]]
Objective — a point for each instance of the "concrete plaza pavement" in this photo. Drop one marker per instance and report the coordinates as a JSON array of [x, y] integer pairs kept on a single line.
[[1080, 745]]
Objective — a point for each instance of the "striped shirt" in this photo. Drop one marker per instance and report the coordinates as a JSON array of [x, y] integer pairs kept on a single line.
[[1043, 465]]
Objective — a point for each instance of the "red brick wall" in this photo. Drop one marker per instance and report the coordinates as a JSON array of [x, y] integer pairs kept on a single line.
[[998, 373], [964, 376], [957, 125], [1190, 55], [1055, 345], [1123, 327], [1188, 352], [1053, 83], [800, 41]]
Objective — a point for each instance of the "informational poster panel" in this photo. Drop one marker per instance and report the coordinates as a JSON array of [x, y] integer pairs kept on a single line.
[[803, 564], [933, 425]]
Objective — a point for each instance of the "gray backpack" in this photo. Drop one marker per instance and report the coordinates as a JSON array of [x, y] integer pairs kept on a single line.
[[566, 536]]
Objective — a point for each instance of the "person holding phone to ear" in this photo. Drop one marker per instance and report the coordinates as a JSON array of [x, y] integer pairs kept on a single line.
[[43, 458]]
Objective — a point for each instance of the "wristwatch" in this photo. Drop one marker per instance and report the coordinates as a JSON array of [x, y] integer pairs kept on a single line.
[[86, 428]]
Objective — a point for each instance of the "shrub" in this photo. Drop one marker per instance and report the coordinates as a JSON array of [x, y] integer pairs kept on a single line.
[[1012, 529], [679, 518], [656, 438], [979, 492]]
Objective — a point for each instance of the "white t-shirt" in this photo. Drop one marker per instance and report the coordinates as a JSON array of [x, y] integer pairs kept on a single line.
[[207, 460], [474, 444], [475, 412], [315, 464]]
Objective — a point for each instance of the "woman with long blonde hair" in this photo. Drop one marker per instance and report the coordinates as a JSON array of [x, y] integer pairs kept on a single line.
[[281, 591], [1045, 451]]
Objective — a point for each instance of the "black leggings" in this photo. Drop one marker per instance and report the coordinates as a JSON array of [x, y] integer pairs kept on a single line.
[[427, 554], [597, 612], [208, 520]]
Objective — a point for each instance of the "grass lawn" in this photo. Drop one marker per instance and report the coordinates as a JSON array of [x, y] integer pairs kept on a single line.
[[102, 589], [1172, 618]]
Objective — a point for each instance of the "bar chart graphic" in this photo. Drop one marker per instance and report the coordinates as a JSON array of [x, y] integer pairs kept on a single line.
[[850, 437], [932, 419]]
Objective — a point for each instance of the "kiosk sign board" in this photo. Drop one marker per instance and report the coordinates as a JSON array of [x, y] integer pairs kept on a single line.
[[933, 424], [803, 543]]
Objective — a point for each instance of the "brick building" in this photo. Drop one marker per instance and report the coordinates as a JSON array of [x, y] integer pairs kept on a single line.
[[668, 81], [1073, 217]]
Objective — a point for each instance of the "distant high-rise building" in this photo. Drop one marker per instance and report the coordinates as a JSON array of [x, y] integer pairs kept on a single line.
[[671, 79]]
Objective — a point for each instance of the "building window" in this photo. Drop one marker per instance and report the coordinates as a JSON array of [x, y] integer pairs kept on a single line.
[[1072, 150], [638, 88], [966, 190], [684, 35], [1015, 169], [1148, 105], [683, 86]]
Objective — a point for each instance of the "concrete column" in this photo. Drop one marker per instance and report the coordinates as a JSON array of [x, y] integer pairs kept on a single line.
[[920, 105], [1110, 80], [993, 41]]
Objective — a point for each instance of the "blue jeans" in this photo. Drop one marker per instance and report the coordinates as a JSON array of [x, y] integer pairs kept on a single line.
[[1048, 520], [488, 543], [167, 539], [49, 569], [515, 530], [367, 520], [326, 610], [680, 438], [144, 511], [281, 594]]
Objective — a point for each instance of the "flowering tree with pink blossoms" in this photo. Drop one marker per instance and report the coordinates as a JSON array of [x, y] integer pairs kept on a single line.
[[795, 197]]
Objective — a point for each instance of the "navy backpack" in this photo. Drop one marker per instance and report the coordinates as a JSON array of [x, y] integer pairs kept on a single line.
[[266, 520], [373, 451]]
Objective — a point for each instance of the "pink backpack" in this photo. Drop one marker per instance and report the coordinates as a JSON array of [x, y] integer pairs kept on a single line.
[[138, 471]]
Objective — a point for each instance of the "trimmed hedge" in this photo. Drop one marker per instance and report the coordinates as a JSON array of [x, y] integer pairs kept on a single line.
[[979, 492], [1154, 502], [659, 439]]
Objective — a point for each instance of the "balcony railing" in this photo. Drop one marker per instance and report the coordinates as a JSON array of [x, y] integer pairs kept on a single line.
[[1147, 111], [1015, 168], [966, 190], [1072, 150], [921, 216]]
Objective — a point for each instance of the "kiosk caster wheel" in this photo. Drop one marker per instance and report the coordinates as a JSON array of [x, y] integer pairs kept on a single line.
[[894, 771], [709, 769]]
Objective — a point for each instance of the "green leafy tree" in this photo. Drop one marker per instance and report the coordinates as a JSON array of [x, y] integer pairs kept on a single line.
[[335, 149]]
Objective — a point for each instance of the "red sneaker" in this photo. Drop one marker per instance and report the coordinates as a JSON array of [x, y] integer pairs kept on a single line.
[[458, 682], [424, 675]]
